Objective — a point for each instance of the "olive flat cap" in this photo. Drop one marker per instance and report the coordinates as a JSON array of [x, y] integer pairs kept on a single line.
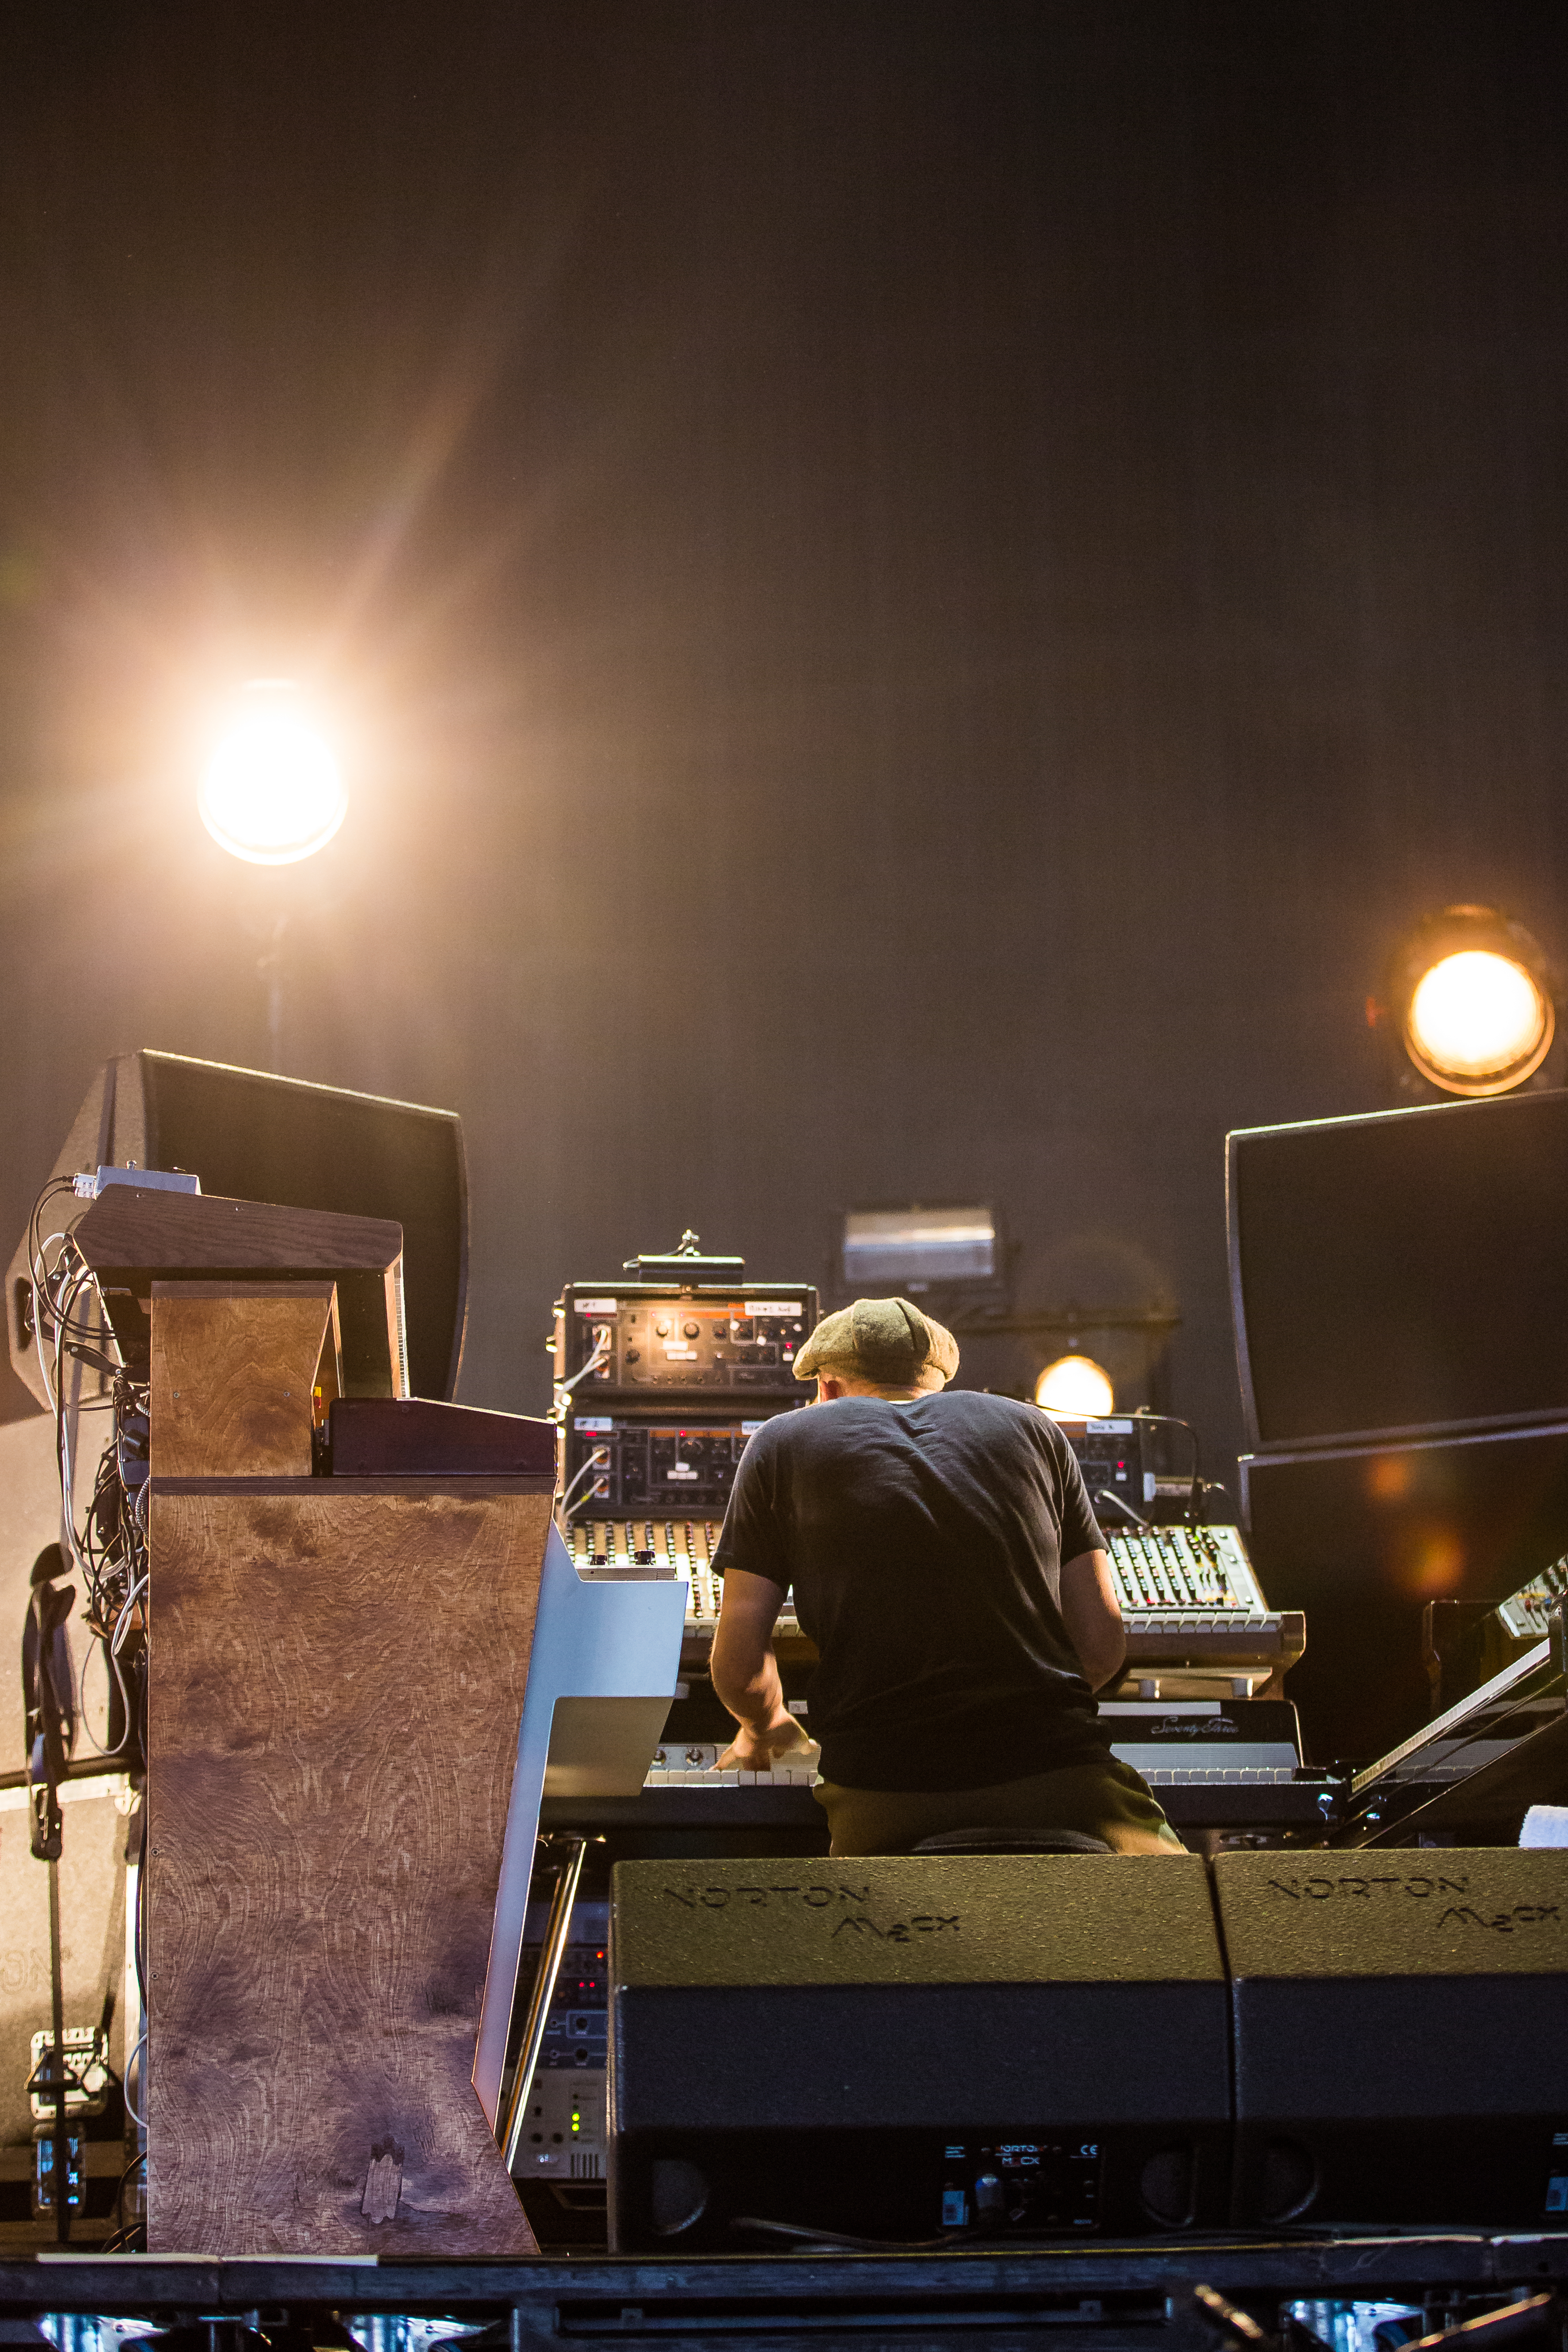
[[882, 1340]]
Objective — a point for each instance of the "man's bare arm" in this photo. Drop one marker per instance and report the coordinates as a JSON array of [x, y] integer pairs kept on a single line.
[[746, 1674], [1093, 1617]]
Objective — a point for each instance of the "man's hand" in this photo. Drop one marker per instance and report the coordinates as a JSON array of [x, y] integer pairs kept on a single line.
[[755, 1751]]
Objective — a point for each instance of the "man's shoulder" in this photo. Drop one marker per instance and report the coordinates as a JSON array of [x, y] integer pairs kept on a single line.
[[778, 1430], [986, 1409], [1003, 1424]]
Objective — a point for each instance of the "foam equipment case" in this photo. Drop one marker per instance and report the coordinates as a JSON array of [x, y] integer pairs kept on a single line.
[[1399, 2047], [909, 2046]]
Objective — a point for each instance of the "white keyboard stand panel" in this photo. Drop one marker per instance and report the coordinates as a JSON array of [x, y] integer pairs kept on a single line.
[[611, 1649]]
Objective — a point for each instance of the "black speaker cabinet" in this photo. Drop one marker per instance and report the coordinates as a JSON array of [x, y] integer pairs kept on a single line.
[[1399, 2047], [1002, 2046], [1363, 1538]]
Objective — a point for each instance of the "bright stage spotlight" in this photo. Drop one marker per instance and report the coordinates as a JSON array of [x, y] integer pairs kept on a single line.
[[272, 791], [1477, 1017], [1076, 1387], [1471, 995]]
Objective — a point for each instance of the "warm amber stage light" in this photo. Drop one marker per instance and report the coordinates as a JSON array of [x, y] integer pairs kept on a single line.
[[1476, 1017], [1075, 1387], [1471, 993], [272, 791]]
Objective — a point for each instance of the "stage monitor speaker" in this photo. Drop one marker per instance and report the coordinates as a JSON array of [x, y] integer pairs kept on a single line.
[[1363, 1538], [1399, 2053], [251, 1137], [902, 2047], [1402, 1272]]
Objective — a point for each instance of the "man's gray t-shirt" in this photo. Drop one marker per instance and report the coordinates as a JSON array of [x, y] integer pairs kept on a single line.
[[924, 1542]]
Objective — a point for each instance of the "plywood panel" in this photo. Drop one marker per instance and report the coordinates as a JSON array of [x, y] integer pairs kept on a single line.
[[233, 1368], [337, 1682]]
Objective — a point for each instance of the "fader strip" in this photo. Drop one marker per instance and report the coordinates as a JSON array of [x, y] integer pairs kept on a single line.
[[1188, 1597], [610, 1548]]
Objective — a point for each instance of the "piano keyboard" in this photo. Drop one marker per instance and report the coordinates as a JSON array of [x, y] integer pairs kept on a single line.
[[1170, 1774], [675, 1766], [1250, 1766], [1213, 1637]]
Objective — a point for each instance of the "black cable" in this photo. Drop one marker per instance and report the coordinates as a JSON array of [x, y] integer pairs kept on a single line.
[[1172, 1421], [125, 2230], [1105, 1494], [56, 1184]]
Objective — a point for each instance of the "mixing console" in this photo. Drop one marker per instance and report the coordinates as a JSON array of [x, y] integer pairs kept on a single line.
[[668, 1547], [1187, 1595], [1182, 1568], [1528, 1612], [610, 1548]]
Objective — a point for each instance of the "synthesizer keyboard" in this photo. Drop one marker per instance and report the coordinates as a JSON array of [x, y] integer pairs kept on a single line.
[[1197, 1743], [1234, 1762], [1206, 1743]]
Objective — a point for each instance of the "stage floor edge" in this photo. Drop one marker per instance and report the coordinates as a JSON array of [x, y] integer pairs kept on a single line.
[[1102, 2290]]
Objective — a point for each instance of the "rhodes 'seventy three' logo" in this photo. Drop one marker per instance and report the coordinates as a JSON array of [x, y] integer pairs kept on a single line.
[[847, 1904]]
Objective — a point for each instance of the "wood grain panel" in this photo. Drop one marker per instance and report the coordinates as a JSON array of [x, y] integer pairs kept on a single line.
[[131, 1238], [336, 1685], [233, 1368], [154, 1230]]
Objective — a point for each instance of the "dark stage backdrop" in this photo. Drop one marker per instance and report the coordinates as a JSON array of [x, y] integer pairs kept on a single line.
[[917, 590]]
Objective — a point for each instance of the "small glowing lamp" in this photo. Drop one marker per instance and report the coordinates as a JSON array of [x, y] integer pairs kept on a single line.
[[1470, 993], [272, 791], [1478, 1018], [1075, 1387]]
